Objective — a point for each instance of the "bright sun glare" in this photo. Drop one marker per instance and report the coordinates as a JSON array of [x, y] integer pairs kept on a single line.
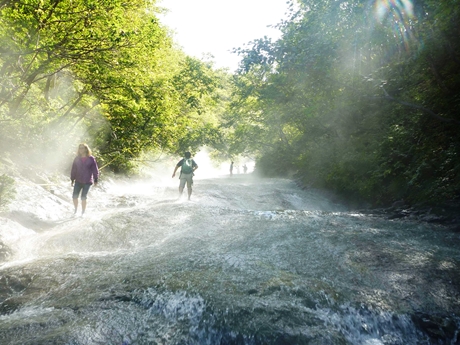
[[217, 27]]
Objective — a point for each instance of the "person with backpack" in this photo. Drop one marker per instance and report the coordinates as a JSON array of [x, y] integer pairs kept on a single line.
[[188, 166]]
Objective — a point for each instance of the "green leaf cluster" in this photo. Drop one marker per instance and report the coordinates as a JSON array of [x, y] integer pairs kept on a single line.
[[103, 72], [361, 98]]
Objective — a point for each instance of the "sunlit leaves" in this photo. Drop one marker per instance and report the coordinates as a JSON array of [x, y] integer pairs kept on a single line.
[[331, 92], [108, 69]]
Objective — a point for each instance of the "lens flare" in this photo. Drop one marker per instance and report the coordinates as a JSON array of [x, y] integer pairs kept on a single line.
[[398, 14], [402, 10]]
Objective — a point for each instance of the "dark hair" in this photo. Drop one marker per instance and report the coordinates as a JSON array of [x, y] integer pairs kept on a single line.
[[187, 155]]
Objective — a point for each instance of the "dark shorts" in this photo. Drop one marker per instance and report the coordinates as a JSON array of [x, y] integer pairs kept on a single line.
[[83, 187]]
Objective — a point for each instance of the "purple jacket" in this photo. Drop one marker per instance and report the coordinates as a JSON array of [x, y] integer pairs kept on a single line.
[[84, 170]]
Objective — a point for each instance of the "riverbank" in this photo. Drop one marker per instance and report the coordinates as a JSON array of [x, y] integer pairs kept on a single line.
[[446, 214]]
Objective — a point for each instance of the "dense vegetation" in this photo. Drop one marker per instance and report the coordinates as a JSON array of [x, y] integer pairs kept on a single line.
[[361, 98], [358, 97], [103, 72]]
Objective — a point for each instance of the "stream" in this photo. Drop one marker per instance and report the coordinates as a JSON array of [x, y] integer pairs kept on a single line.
[[246, 261]]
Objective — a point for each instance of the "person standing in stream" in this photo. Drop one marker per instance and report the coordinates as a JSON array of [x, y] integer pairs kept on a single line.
[[188, 166], [84, 173]]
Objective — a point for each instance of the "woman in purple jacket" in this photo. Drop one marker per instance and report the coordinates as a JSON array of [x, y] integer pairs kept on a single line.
[[83, 174]]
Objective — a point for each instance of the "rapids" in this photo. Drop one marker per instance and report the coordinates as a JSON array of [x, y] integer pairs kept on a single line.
[[246, 261]]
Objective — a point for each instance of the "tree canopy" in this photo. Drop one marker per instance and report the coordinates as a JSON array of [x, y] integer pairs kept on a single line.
[[359, 97], [106, 72]]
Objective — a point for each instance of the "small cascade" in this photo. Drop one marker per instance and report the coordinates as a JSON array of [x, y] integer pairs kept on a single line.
[[246, 261]]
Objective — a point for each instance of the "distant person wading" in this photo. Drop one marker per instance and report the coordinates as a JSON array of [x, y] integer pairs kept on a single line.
[[84, 173], [188, 166]]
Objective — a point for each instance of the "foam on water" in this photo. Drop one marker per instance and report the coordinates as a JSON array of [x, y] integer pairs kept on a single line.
[[246, 262]]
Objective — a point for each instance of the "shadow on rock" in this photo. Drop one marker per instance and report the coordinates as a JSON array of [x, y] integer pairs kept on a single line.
[[31, 221]]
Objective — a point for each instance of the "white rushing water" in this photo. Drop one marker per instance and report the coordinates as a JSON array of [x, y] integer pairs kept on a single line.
[[247, 261]]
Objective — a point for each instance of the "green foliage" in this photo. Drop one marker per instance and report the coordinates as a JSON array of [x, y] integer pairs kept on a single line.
[[105, 73], [359, 99], [7, 191], [47, 46], [273, 163]]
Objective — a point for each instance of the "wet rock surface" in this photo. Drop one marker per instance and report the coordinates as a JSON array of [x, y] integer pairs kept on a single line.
[[293, 258], [447, 214], [5, 252], [440, 328]]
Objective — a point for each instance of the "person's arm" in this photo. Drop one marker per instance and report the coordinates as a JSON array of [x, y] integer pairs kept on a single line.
[[178, 165], [95, 172], [73, 173], [194, 165], [175, 169]]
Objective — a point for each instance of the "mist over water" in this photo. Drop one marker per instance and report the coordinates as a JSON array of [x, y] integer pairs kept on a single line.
[[246, 261]]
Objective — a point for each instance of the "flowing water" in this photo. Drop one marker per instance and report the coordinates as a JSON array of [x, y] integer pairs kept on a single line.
[[247, 261]]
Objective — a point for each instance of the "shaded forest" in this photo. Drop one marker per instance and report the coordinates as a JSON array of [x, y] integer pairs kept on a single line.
[[357, 97]]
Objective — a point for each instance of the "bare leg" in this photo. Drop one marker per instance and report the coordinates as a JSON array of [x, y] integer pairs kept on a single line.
[[75, 204], [189, 188], [83, 206], [181, 189]]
